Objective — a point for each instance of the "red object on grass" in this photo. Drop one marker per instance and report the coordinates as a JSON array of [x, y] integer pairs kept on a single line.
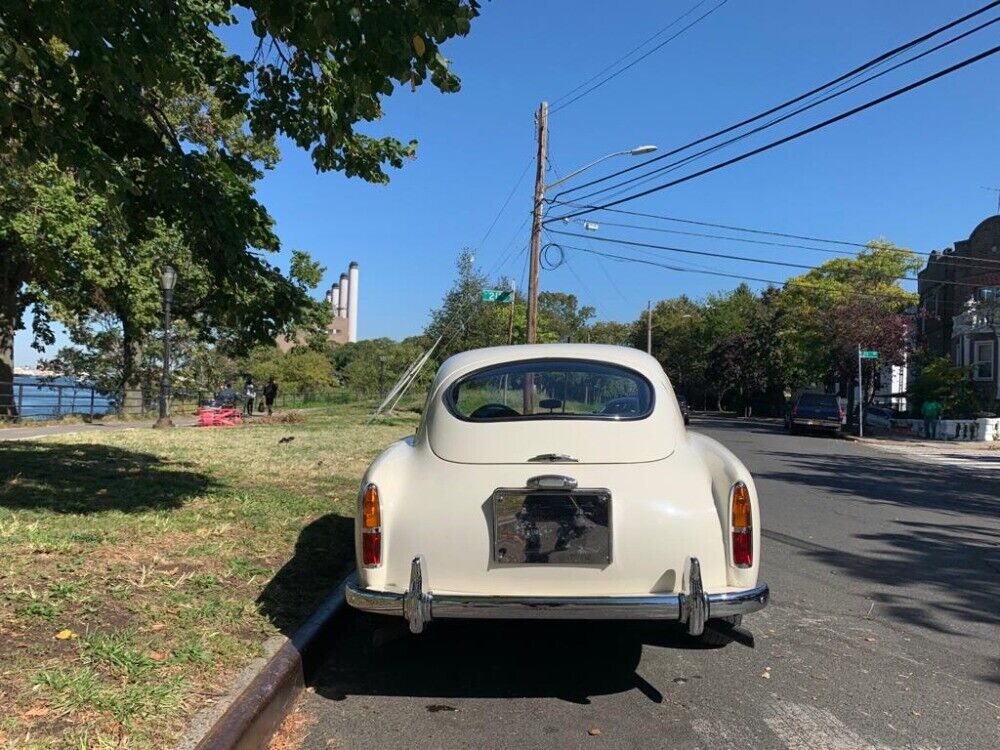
[[211, 416]]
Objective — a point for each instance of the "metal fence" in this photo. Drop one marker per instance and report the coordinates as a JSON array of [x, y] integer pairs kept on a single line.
[[42, 399]]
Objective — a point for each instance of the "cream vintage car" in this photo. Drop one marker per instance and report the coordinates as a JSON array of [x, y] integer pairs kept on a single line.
[[557, 481]]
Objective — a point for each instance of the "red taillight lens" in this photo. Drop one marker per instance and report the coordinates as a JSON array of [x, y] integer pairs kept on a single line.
[[742, 549], [741, 525], [371, 527], [371, 548]]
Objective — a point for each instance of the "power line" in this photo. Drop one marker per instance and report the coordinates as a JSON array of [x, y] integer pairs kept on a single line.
[[845, 76], [673, 166], [796, 283], [640, 58], [730, 256], [800, 133], [507, 201], [944, 259], [631, 52]]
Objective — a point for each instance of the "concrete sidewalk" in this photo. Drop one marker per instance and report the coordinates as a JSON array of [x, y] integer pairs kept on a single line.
[[978, 455], [30, 433]]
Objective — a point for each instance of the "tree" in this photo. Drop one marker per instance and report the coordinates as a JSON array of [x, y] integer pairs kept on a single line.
[[845, 302], [146, 108], [610, 332], [678, 340], [464, 321], [559, 316]]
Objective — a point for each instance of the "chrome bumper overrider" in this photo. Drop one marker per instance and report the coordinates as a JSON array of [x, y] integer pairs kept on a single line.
[[692, 608]]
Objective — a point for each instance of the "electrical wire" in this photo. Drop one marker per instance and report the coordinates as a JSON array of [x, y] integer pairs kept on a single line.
[[795, 283], [799, 134], [729, 256], [642, 179], [784, 105], [631, 52], [944, 259], [640, 58]]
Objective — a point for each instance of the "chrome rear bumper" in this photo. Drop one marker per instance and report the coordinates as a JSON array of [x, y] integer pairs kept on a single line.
[[692, 608]]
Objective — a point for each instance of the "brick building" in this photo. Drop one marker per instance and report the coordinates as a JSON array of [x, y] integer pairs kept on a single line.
[[960, 301]]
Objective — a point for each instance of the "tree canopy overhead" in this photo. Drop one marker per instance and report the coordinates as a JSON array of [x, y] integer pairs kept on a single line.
[[96, 80], [142, 135]]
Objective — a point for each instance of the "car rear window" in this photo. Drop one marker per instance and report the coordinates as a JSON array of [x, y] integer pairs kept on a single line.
[[551, 389], [819, 400]]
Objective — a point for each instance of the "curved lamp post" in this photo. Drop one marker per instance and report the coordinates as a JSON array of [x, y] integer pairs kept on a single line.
[[168, 279]]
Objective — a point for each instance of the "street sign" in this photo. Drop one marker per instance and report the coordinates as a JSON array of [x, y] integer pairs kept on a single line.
[[496, 295], [863, 354]]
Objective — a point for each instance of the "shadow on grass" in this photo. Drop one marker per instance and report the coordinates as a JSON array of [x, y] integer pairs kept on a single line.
[[324, 552], [61, 478]]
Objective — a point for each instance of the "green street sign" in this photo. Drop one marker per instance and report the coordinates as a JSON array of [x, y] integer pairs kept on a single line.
[[867, 354], [496, 295]]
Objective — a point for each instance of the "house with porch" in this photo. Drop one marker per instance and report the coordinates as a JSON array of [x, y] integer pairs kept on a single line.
[[960, 305]]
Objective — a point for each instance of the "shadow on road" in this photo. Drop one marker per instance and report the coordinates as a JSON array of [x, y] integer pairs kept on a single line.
[[572, 661], [62, 478], [959, 559]]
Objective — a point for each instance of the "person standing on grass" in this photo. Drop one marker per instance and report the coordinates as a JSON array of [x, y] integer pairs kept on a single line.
[[249, 395], [931, 412], [270, 393]]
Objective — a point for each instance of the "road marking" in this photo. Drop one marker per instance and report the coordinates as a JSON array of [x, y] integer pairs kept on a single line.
[[989, 460], [803, 727]]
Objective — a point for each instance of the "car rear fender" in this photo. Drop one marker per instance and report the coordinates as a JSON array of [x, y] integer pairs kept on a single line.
[[725, 469]]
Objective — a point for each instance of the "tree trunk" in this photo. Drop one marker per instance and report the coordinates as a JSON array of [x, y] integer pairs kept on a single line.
[[131, 390], [10, 287]]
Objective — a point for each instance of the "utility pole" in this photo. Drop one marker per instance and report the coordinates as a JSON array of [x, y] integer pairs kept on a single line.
[[510, 323], [861, 398], [649, 327], [536, 221]]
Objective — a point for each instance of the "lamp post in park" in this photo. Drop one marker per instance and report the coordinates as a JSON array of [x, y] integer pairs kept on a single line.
[[168, 278]]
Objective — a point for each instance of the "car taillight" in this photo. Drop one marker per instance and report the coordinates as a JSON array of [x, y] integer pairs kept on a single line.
[[371, 527], [741, 523]]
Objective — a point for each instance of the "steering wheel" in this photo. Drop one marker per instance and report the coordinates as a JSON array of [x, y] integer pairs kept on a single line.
[[493, 411]]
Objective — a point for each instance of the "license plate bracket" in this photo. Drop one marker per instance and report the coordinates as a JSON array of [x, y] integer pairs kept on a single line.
[[553, 527]]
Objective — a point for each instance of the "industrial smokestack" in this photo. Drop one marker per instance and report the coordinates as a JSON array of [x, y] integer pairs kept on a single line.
[[335, 299], [345, 293], [352, 303]]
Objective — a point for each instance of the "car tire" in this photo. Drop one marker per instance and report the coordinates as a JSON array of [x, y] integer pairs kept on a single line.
[[715, 639]]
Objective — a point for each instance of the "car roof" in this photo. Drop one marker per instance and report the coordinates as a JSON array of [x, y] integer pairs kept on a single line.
[[616, 355]]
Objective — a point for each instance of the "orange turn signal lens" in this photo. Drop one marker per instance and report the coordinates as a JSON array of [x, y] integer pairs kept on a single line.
[[742, 516], [371, 516]]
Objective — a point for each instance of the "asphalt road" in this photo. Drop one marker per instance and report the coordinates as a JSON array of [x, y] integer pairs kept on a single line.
[[883, 632]]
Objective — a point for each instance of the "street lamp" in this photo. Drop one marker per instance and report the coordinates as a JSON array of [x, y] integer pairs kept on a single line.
[[539, 202], [637, 151], [168, 279]]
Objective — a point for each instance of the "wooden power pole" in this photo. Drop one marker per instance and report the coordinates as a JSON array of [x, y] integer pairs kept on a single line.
[[536, 221], [649, 327]]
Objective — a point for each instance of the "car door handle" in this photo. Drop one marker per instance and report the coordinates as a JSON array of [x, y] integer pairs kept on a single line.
[[552, 482], [553, 458]]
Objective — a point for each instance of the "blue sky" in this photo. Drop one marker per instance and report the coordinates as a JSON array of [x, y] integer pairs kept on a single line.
[[911, 170]]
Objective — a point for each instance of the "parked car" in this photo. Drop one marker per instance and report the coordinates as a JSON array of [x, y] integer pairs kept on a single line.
[[682, 402], [523, 496], [815, 411]]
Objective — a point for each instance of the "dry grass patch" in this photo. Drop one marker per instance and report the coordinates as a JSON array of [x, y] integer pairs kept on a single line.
[[140, 570]]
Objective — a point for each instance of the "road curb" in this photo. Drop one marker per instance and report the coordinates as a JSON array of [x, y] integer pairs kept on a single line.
[[263, 694]]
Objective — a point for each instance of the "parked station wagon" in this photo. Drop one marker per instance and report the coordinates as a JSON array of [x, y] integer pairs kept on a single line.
[[557, 481]]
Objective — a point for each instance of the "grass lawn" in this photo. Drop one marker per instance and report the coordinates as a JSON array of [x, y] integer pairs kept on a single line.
[[140, 570]]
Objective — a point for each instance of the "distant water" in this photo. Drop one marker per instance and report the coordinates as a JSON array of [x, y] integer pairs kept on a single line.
[[46, 398]]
